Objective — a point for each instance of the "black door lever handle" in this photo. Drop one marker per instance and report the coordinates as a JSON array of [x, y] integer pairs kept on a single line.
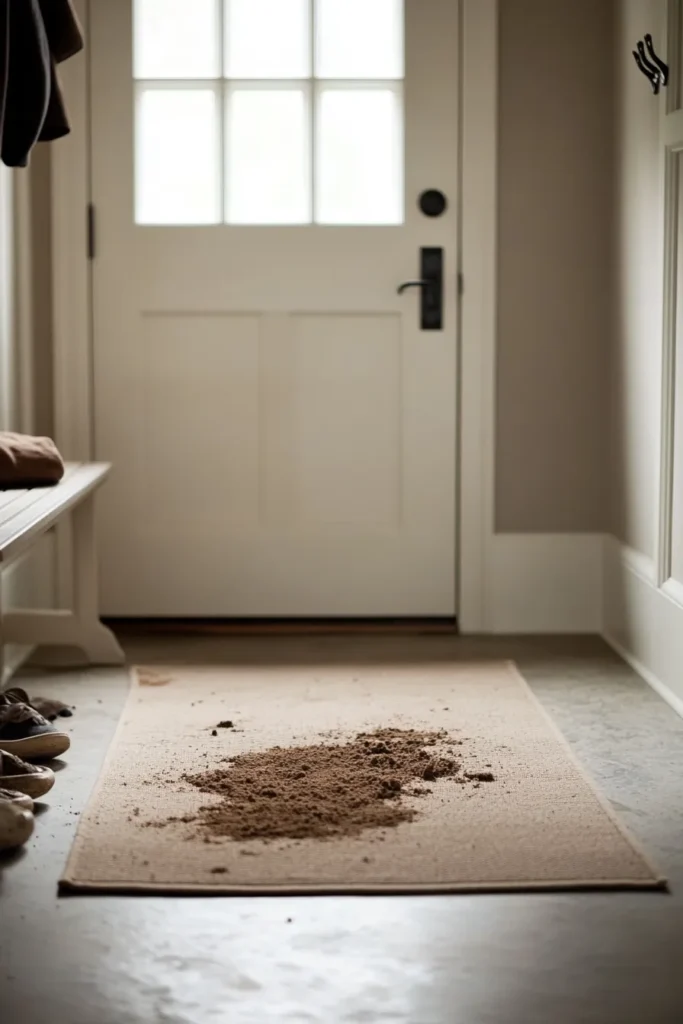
[[431, 287], [412, 284]]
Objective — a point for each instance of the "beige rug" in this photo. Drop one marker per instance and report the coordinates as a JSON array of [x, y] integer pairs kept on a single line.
[[540, 825]]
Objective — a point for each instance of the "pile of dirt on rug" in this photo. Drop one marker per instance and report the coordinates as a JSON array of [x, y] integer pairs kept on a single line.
[[328, 790]]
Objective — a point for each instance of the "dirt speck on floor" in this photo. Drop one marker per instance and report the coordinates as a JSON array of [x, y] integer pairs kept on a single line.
[[326, 789], [149, 678]]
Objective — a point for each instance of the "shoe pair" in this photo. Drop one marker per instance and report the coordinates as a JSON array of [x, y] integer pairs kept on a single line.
[[24, 732]]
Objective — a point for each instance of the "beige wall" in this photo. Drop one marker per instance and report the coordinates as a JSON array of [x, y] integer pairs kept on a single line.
[[26, 401], [638, 300], [555, 318]]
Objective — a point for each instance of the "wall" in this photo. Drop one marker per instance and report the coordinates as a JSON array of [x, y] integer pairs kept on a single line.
[[8, 374], [556, 154], [41, 285], [26, 378], [555, 195], [556, 171]]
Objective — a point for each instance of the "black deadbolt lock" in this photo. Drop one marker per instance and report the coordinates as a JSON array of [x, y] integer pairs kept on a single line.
[[433, 203]]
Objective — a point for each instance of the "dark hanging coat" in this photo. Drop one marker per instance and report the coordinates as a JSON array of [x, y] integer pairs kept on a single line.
[[35, 35], [4, 58]]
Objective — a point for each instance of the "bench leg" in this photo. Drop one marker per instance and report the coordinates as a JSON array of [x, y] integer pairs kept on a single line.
[[99, 643], [80, 627]]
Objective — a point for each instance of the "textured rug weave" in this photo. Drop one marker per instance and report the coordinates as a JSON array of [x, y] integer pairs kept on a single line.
[[539, 825]]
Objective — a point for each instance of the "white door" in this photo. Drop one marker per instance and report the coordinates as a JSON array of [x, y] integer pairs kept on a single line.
[[283, 430]]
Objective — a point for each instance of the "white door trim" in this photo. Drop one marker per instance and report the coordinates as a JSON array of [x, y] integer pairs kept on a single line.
[[73, 393], [479, 216], [72, 325]]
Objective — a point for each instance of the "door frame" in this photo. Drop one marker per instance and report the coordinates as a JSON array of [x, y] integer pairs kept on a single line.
[[477, 261]]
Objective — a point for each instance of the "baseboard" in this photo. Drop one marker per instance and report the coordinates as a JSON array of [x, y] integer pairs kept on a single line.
[[282, 627], [545, 583], [664, 692], [643, 622]]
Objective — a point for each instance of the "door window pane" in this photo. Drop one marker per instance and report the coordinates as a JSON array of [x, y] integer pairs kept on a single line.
[[303, 123], [359, 39], [177, 156], [267, 39], [176, 39], [267, 156], [359, 170]]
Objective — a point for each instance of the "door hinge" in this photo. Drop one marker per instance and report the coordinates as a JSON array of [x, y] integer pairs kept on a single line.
[[461, 283], [91, 230]]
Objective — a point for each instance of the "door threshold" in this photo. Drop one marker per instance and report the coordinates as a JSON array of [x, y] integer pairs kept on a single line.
[[286, 627]]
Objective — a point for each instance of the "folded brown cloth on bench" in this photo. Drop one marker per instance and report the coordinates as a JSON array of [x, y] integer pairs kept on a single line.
[[29, 461]]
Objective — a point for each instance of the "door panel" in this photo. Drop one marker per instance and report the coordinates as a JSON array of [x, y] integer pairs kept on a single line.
[[198, 432], [284, 433], [323, 466]]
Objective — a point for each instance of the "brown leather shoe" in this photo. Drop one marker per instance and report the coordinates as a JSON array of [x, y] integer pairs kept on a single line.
[[48, 707], [17, 799], [19, 777], [16, 825]]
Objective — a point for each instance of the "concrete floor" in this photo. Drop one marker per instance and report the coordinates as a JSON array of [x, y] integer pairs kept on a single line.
[[612, 958]]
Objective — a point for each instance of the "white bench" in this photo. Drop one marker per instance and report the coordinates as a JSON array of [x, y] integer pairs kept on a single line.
[[25, 516]]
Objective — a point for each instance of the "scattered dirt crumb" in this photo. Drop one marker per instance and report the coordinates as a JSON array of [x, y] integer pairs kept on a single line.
[[227, 724], [147, 678], [219, 871], [481, 776], [214, 732]]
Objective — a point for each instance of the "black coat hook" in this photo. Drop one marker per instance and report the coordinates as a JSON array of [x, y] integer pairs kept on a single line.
[[650, 72], [652, 68], [663, 68]]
